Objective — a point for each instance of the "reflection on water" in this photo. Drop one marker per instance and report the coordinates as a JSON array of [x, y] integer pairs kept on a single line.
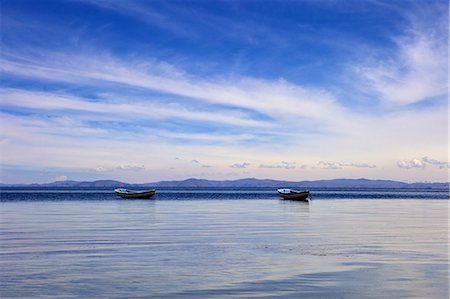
[[219, 248]]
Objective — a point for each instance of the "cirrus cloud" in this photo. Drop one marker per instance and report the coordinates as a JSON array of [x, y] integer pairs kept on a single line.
[[418, 69]]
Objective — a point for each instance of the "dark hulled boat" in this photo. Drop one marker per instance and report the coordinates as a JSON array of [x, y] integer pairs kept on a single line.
[[294, 194], [125, 193]]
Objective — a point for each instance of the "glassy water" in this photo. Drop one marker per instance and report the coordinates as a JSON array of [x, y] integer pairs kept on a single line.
[[224, 244]]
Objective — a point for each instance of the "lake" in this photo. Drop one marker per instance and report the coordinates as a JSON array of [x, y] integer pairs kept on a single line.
[[224, 243]]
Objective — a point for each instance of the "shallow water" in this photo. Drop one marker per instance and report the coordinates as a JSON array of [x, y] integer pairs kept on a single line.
[[82, 243]]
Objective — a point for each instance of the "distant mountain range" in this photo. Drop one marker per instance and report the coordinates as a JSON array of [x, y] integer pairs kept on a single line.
[[248, 182]]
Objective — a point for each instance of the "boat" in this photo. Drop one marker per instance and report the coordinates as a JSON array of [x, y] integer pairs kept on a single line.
[[294, 194], [125, 193]]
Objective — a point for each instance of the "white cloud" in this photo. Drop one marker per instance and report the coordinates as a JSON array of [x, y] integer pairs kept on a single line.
[[418, 70], [358, 165], [440, 164], [68, 144], [131, 167], [128, 110], [202, 138], [328, 165], [276, 98], [334, 165], [283, 164], [198, 163], [101, 169], [414, 163], [240, 165]]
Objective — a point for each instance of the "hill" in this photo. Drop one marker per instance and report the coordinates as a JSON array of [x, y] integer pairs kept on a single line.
[[241, 183]]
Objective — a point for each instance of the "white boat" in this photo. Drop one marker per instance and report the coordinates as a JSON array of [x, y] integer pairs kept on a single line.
[[125, 193], [294, 194]]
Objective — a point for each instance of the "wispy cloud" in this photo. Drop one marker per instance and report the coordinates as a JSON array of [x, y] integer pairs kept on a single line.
[[131, 167], [277, 98], [198, 163], [343, 165], [422, 163], [283, 164], [358, 165], [417, 71], [143, 108], [328, 165], [240, 165], [411, 164], [137, 10], [440, 164]]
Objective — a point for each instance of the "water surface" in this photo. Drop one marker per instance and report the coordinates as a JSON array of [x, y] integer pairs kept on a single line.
[[80, 243]]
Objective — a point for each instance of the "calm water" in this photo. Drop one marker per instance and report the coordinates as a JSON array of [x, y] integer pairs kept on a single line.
[[224, 244]]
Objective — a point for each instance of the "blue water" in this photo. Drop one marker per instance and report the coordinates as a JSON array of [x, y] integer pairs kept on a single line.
[[15, 194], [217, 243]]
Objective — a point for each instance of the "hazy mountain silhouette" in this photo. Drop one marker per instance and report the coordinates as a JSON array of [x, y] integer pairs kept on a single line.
[[240, 183]]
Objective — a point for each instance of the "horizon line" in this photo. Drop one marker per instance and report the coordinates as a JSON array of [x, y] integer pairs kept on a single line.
[[225, 180]]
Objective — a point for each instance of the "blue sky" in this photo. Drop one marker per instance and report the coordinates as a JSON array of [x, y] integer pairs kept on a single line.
[[143, 91]]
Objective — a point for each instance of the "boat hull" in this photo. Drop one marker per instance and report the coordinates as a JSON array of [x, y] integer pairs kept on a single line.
[[293, 195], [136, 194]]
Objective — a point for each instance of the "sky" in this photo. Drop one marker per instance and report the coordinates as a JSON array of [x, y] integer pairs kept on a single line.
[[143, 91]]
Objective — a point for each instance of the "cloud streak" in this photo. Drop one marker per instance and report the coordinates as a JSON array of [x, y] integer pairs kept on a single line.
[[137, 109], [440, 164], [240, 165], [283, 165], [358, 165], [272, 98], [328, 165], [131, 167], [422, 163], [418, 70], [411, 164], [136, 10]]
